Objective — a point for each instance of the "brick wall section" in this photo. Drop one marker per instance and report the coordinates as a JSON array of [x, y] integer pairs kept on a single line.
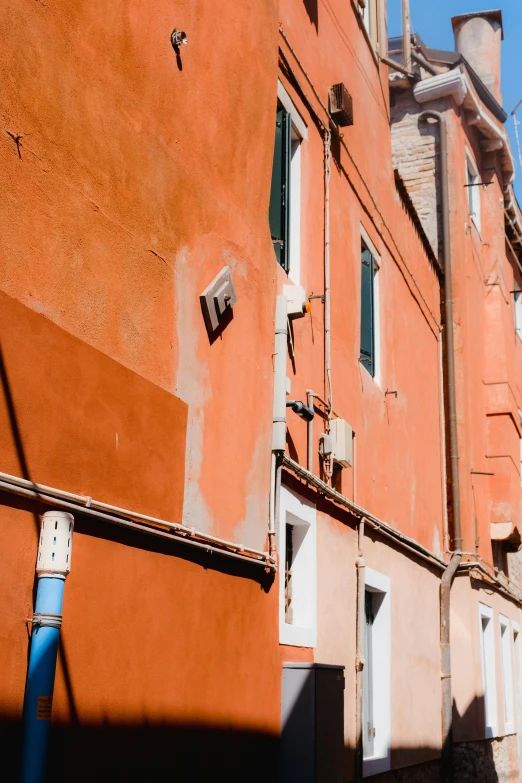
[[415, 155]]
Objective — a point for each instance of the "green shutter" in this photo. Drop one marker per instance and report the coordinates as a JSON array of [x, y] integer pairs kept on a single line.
[[367, 356], [279, 212]]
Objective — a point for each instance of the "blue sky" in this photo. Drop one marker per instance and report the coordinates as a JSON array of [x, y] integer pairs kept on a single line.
[[432, 22]]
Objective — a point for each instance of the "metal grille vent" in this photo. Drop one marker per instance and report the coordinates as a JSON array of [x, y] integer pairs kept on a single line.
[[341, 107]]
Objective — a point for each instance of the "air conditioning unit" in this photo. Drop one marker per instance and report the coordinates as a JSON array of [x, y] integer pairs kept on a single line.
[[341, 105], [342, 442]]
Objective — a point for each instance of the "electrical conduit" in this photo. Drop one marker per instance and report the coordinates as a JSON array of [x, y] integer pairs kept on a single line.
[[279, 416], [359, 655], [328, 467]]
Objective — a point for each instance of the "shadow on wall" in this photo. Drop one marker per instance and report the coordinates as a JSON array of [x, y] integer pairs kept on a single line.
[[313, 12], [190, 753], [148, 753], [474, 760]]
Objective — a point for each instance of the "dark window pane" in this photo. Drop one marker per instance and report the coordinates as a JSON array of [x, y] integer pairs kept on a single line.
[[367, 354], [279, 211]]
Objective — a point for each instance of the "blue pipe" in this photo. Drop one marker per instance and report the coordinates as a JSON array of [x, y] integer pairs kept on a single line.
[[40, 677]]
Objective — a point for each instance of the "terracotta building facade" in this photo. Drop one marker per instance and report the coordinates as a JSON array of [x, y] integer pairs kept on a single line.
[[260, 329]]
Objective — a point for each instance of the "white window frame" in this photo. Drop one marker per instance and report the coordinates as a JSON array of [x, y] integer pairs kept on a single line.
[[372, 15], [299, 134], [520, 446], [507, 675], [473, 200], [489, 685], [297, 511], [377, 323], [516, 636], [517, 309], [381, 675], [366, 15]]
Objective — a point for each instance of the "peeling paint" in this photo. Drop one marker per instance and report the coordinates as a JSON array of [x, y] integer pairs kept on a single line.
[[193, 387], [252, 530]]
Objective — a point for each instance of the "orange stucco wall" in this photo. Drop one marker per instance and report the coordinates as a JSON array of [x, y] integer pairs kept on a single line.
[[137, 177], [398, 439], [131, 174]]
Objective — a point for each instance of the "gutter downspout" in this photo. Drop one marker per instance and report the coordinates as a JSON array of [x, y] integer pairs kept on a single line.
[[53, 565], [446, 769], [327, 465], [359, 655], [310, 433], [278, 417]]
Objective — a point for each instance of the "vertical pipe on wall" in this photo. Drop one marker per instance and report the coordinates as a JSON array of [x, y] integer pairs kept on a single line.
[[327, 342], [279, 413], [444, 470], [52, 566], [354, 469], [359, 655], [271, 504], [451, 404], [310, 443]]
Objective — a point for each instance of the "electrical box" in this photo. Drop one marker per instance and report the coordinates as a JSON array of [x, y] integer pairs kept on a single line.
[[342, 442], [218, 298], [312, 712], [296, 301], [325, 445]]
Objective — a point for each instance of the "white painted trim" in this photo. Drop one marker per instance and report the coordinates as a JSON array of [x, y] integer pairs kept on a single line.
[[381, 674], [296, 510], [517, 309], [377, 323], [489, 683], [299, 133], [507, 675], [369, 244], [475, 211], [297, 120], [294, 271], [520, 447], [365, 12]]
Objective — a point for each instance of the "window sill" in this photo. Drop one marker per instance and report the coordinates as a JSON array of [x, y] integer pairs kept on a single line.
[[373, 765], [290, 280], [375, 378], [296, 636], [477, 226]]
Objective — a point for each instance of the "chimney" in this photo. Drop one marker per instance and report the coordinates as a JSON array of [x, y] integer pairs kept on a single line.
[[478, 37]]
